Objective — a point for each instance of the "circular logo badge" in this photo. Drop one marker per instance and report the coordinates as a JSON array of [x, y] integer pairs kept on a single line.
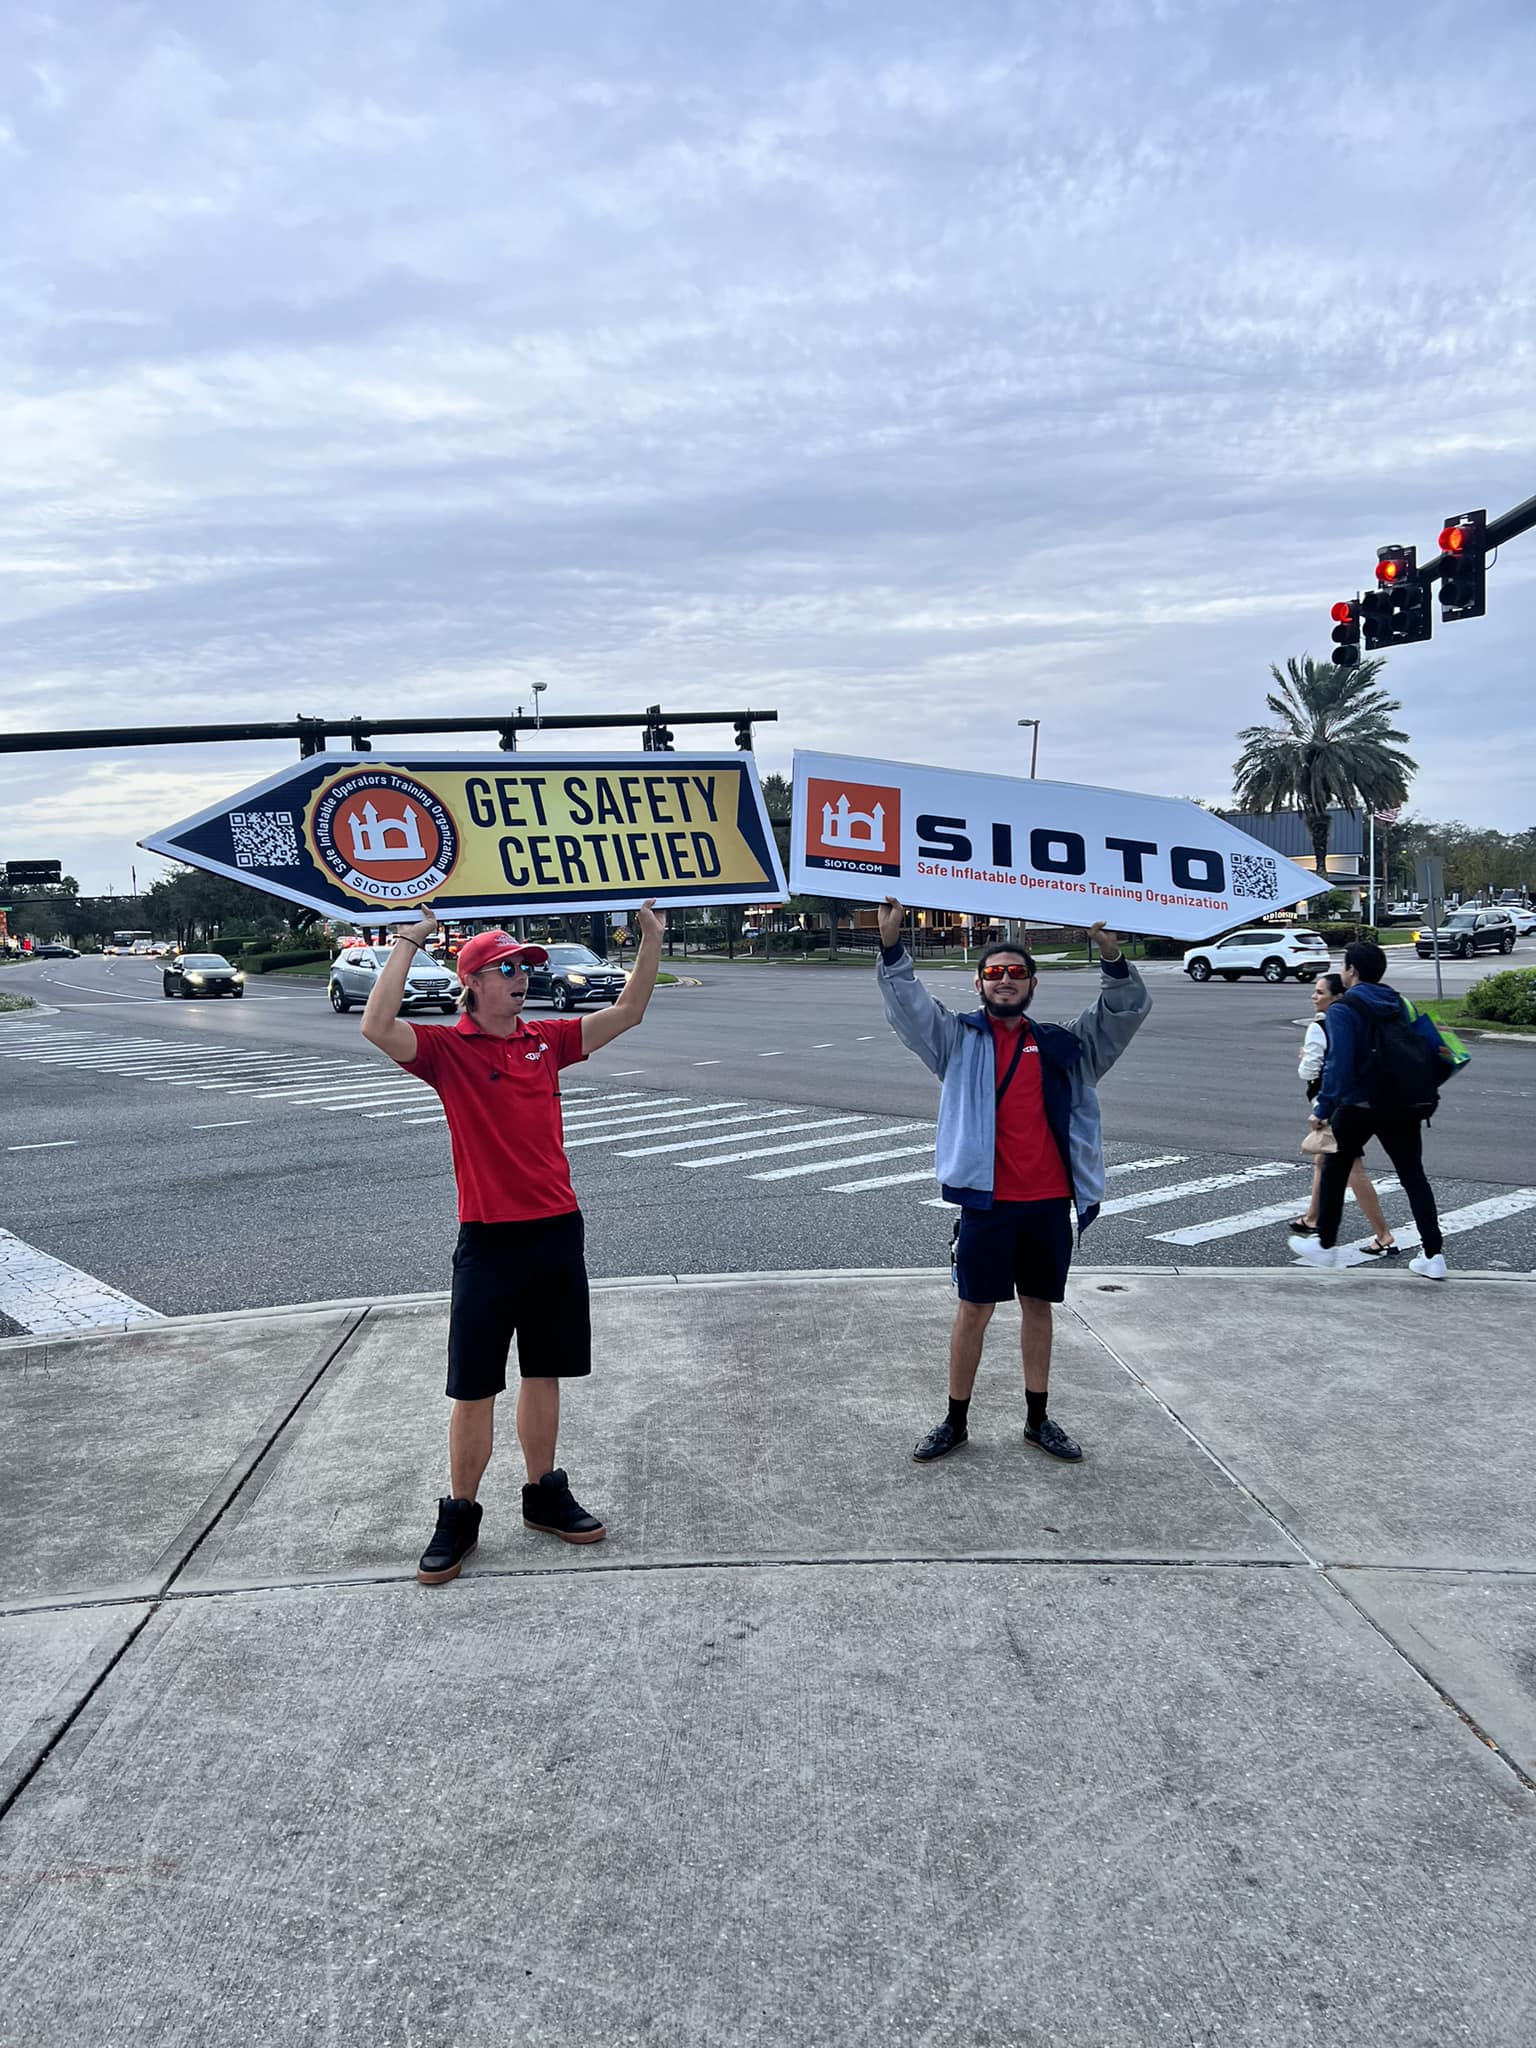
[[383, 836]]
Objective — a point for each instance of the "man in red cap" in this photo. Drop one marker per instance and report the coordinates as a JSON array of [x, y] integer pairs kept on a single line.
[[519, 1268]]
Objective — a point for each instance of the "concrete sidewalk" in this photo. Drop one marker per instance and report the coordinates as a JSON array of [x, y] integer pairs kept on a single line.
[[1226, 1735]]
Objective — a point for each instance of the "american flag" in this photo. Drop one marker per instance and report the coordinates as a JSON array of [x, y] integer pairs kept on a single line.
[[1389, 817]]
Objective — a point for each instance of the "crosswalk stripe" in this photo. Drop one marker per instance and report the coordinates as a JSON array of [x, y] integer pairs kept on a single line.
[[1147, 1165], [800, 1145], [1459, 1221], [763, 1118], [48, 1296], [1151, 1198], [1250, 1219], [652, 1127], [857, 1159], [884, 1180], [655, 1105]]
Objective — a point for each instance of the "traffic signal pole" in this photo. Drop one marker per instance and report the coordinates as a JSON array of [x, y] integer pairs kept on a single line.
[[314, 734], [1508, 526]]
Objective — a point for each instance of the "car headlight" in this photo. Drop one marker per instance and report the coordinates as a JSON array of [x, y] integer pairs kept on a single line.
[[195, 977], [576, 980], [239, 974]]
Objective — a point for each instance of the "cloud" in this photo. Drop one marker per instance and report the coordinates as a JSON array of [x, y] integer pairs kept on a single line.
[[903, 372]]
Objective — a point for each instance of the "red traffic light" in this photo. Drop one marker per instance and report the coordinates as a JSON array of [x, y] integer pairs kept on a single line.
[[1343, 611], [1390, 571], [1453, 539]]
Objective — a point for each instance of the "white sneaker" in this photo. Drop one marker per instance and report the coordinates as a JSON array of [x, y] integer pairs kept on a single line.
[[1330, 1257], [1432, 1269]]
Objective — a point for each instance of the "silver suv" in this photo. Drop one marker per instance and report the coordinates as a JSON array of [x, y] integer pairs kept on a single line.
[[356, 971]]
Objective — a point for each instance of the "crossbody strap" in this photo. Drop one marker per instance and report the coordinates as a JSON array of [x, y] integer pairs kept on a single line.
[[1013, 1066]]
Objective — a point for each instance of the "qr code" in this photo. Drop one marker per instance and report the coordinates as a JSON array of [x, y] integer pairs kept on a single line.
[[1253, 874], [264, 839]]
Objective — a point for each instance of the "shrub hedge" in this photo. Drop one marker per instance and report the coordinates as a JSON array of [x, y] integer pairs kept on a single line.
[[291, 956], [1507, 998]]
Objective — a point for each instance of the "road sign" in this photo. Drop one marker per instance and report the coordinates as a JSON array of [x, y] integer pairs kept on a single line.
[[21, 874], [364, 837], [1059, 852]]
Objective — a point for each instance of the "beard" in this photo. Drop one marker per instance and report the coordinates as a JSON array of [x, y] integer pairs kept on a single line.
[[994, 1008]]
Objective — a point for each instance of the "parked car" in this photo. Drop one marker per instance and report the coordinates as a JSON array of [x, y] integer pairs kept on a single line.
[[575, 975], [1273, 951], [55, 949], [200, 974], [353, 976], [1466, 933], [1524, 922]]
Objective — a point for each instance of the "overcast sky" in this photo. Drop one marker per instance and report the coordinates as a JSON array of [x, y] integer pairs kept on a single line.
[[904, 368]]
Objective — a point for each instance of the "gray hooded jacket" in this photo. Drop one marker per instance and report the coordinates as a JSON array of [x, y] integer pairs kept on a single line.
[[958, 1048]]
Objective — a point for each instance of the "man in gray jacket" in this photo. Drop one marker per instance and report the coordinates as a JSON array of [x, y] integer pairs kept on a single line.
[[1019, 1148]]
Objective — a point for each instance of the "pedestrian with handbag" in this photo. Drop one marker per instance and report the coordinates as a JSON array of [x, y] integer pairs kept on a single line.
[[1326, 991]]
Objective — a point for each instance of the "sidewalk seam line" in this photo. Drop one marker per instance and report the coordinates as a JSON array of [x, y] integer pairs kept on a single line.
[[155, 1602]]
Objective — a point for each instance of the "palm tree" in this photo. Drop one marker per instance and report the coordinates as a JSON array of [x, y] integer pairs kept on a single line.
[[1333, 743]]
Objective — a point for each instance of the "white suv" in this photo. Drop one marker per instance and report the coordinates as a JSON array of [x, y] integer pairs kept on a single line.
[[1271, 950]]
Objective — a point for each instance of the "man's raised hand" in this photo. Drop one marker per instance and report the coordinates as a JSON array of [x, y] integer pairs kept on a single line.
[[652, 922], [1107, 943], [423, 930], [891, 915]]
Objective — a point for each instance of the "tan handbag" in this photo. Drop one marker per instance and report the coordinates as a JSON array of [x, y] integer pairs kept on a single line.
[[1316, 1142]]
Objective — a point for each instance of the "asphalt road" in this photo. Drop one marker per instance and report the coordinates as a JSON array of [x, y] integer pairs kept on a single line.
[[226, 1155]]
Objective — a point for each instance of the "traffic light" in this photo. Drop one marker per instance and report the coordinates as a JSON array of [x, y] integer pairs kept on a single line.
[[1464, 580], [744, 734], [1376, 620], [658, 737], [1407, 616], [1346, 633]]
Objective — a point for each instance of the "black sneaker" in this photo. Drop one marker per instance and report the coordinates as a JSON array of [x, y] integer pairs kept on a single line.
[[939, 1442], [1050, 1436], [456, 1534], [552, 1507]]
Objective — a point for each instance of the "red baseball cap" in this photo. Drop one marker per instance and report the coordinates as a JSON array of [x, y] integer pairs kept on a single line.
[[486, 948]]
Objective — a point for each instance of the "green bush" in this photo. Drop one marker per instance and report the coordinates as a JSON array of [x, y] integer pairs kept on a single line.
[[1507, 998], [291, 956], [1343, 934]]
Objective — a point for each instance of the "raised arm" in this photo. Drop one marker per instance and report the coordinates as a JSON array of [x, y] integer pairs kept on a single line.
[[602, 1026], [921, 1022], [1108, 1028], [383, 1025]]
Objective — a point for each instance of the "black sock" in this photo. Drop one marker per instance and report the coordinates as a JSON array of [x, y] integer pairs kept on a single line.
[[1034, 1408], [957, 1413]]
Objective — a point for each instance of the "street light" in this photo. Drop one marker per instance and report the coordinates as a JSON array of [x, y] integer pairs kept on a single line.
[[538, 691], [1034, 744]]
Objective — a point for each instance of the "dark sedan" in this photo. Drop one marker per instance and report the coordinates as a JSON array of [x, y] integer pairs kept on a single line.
[[574, 975], [1467, 932], [52, 950], [200, 974]]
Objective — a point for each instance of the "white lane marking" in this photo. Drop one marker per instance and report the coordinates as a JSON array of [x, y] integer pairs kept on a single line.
[[1146, 1165], [93, 988], [229, 1124], [885, 1180], [707, 1063], [854, 1159], [654, 1127], [44, 1145], [807, 1145], [763, 1118], [1151, 1198], [826, 1045], [624, 1073], [47, 1297], [770, 1055], [1458, 1221], [866, 1039], [1250, 1219], [595, 1112]]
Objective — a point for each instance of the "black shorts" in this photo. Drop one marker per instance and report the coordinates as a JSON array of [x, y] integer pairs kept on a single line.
[[523, 1280], [1014, 1248]]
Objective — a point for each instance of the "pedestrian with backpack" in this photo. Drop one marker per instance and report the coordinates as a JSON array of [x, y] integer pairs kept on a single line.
[[1381, 1079], [1326, 991]]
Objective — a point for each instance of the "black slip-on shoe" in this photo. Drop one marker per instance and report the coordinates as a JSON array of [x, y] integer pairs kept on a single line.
[[456, 1534], [939, 1442], [1050, 1436], [553, 1508]]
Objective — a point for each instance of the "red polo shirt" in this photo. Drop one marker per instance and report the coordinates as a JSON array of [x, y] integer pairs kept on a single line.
[[502, 1098], [1028, 1166]]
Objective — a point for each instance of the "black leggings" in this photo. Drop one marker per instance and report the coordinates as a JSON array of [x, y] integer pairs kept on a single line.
[[1402, 1139]]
